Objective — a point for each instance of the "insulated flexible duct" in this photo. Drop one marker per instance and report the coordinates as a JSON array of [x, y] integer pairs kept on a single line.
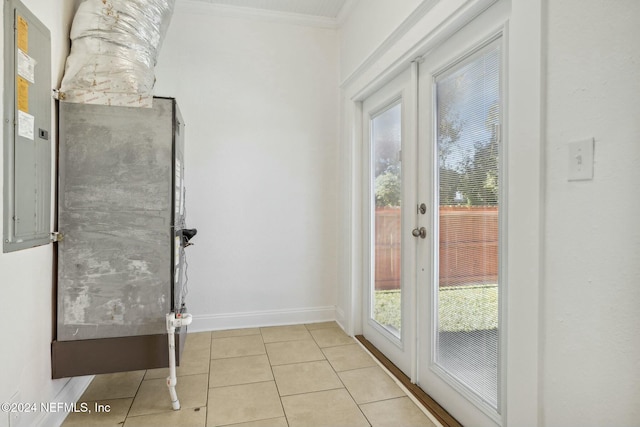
[[114, 49]]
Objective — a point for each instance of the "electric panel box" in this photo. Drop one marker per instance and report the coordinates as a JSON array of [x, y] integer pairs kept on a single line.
[[27, 129]]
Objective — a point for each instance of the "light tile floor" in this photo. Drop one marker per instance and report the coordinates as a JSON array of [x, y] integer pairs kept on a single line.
[[289, 376]]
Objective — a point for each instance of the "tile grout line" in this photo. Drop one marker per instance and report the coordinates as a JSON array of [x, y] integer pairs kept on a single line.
[[353, 341], [206, 404], [339, 378], [271, 368], [127, 416], [134, 397], [353, 398], [286, 419], [406, 391], [320, 360]]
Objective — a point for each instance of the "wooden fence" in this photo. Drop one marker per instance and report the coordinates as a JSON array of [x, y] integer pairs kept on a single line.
[[468, 252], [388, 248]]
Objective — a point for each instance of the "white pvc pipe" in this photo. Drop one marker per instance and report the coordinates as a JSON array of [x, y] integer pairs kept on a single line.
[[172, 323]]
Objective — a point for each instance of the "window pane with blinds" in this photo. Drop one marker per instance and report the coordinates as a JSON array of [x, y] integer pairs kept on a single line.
[[386, 292], [468, 104]]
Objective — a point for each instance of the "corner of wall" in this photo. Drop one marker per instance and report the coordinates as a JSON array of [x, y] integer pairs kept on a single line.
[[27, 280]]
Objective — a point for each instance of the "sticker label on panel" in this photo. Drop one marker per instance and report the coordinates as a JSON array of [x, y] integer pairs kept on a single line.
[[26, 66], [23, 34], [26, 125], [23, 94]]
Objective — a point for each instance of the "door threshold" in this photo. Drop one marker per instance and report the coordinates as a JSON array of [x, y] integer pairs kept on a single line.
[[427, 401]]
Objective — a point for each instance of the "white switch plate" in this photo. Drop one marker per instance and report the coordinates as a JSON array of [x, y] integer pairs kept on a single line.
[[581, 160]]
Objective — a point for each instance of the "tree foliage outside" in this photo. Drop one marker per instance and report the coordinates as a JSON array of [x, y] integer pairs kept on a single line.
[[467, 149], [473, 179], [388, 189], [387, 174], [475, 182]]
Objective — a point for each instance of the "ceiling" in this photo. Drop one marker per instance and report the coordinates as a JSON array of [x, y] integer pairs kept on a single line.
[[314, 8]]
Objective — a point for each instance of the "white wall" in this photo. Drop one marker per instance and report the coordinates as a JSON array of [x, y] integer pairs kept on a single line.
[[25, 359], [368, 24], [591, 299], [259, 99]]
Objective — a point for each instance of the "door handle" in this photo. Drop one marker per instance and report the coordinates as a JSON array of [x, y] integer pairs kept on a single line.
[[420, 232]]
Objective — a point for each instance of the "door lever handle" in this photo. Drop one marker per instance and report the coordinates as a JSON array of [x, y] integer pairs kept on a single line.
[[419, 232]]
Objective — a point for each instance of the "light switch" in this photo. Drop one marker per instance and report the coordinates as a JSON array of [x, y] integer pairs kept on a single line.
[[581, 160]]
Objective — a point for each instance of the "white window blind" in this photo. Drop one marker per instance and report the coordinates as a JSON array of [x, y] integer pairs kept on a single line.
[[468, 105]]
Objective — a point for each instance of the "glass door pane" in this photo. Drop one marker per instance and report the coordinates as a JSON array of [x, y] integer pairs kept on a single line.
[[468, 104], [386, 219]]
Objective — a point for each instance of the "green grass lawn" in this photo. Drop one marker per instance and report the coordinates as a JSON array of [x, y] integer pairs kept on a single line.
[[461, 308]]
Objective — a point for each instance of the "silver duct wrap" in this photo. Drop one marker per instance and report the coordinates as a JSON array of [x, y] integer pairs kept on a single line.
[[114, 49]]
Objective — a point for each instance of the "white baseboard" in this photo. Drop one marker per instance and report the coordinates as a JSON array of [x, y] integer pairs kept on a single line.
[[340, 318], [70, 393], [216, 322]]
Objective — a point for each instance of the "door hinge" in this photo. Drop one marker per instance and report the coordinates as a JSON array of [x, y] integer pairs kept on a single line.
[[57, 237]]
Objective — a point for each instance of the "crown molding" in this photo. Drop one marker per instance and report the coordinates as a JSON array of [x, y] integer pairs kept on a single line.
[[457, 17], [349, 5], [415, 16], [205, 7]]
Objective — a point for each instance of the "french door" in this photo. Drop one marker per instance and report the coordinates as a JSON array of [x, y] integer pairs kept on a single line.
[[389, 181], [435, 192], [459, 274]]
